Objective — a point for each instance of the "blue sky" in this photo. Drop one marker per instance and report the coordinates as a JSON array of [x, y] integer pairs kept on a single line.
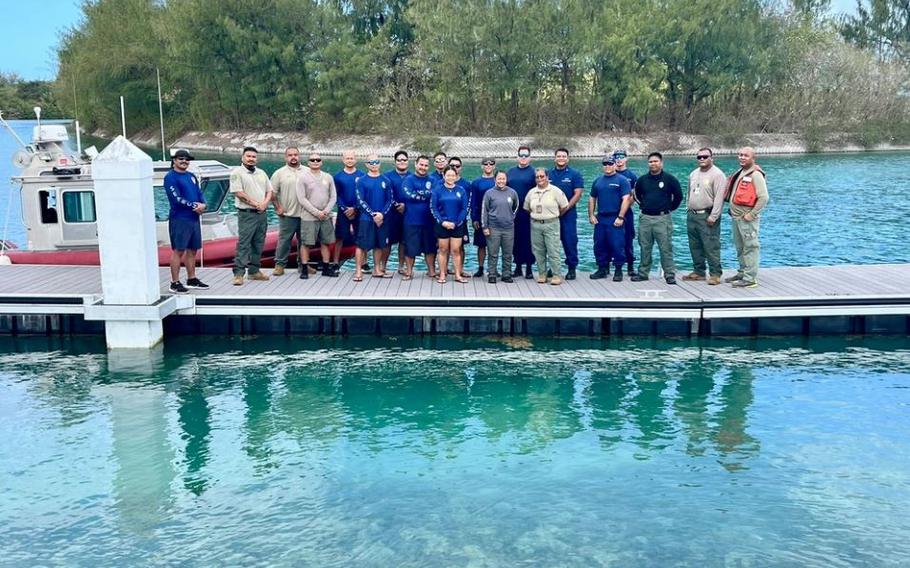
[[31, 34]]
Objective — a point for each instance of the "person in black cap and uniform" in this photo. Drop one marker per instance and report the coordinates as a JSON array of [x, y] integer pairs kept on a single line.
[[658, 194]]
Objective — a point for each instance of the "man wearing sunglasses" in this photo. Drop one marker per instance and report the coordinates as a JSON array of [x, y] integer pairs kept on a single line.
[[704, 205], [317, 196], [284, 181], [374, 200], [521, 179], [187, 204], [479, 188], [395, 219]]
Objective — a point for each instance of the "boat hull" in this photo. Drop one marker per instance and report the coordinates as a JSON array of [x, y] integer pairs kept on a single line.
[[215, 253]]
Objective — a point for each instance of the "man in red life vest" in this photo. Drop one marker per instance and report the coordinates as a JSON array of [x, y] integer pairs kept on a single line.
[[747, 194]]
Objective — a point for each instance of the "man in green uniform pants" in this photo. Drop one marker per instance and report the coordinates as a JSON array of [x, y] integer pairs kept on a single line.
[[284, 184], [252, 193], [704, 204], [747, 193], [658, 194]]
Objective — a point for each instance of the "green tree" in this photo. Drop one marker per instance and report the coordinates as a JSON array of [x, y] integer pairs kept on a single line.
[[882, 26]]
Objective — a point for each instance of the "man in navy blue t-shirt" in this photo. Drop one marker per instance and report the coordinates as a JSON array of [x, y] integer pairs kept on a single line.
[[611, 195], [571, 183]]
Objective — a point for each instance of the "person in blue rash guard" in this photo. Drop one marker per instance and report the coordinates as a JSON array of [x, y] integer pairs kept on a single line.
[[629, 223], [346, 220], [610, 198], [449, 205], [187, 204], [374, 201], [418, 235], [466, 185], [521, 179], [397, 176], [481, 185], [570, 181]]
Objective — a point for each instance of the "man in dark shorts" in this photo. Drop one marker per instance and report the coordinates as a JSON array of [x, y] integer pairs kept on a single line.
[[187, 204]]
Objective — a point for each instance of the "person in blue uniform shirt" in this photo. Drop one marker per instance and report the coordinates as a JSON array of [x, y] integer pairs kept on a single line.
[[521, 179], [418, 236], [397, 176], [629, 224], [374, 201], [610, 197], [570, 181], [440, 163], [187, 205], [450, 206], [347, 219], [479, 187]]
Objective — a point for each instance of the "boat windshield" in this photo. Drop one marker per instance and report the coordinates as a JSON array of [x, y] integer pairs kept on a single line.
[[214, 191]]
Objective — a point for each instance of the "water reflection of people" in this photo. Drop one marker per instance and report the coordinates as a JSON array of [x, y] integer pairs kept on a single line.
[[194, 417], [731, 439]]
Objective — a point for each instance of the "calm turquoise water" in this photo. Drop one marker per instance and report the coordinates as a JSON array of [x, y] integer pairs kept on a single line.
[[825, 209], [456, 452]]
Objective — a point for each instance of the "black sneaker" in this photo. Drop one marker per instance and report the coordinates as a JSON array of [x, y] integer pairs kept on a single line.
[[636, 277], [517, 272], [549, 273], [631, 270], [570, 274], [332, 271], [601, 273], [529, 275], [365, 267], [490, 279], [479, 273], [671, 279], [617, 276], [197, 284], [178, 288], [507, 279], [305, 274]]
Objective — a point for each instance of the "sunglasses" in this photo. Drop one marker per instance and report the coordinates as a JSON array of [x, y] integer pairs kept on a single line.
[[455, 165], [315, 159], [609, 163], [373, 163], [489, 163], [524, 155], [702, 157], [181, 159]]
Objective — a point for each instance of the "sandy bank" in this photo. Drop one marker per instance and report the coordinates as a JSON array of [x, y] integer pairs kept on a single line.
[[590, 146]]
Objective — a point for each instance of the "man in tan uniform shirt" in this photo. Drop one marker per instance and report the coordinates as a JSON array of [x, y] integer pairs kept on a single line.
[[316, 194], [284, 183], [252, 192]]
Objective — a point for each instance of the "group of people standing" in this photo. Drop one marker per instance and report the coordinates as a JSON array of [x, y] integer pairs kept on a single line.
[[523, 216]]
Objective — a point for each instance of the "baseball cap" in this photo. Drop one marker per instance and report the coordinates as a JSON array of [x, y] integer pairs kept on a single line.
[[619, 154], [182, 154], [609, 160], [490, 160]]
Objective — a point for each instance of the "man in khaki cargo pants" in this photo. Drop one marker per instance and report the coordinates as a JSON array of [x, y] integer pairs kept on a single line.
[[747, 193]]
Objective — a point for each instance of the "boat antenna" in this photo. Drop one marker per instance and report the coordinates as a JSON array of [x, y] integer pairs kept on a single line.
[[122, 116], [38, 115], [161, 116]]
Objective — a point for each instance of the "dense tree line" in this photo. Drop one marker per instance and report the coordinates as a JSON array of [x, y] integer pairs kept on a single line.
[[491, 66], [18, 97]]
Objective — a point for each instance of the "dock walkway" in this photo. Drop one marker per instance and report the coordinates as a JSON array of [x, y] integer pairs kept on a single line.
[[798, 301]]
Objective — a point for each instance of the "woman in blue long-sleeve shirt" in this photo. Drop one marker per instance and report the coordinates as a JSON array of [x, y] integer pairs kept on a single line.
[[449, 205]]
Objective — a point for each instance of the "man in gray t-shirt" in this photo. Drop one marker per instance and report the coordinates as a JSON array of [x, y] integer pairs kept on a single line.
[[497, 218], [704, 205]]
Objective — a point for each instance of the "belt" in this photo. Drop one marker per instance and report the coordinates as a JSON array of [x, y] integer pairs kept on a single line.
[[658, 214], [545, 220], [251, 211], [699, 211]]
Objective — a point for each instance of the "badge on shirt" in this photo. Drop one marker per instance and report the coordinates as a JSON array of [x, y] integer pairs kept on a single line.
[[660, 185], [540, 208], [509, 200]]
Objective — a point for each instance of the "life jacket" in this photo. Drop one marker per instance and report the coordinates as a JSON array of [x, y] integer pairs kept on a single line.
[[744, 193]]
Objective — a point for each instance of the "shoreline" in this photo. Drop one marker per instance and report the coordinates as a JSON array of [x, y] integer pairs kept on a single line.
[[477, 147]]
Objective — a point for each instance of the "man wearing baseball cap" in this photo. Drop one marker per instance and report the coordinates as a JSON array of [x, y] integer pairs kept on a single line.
[[187, 204], [619, 155]]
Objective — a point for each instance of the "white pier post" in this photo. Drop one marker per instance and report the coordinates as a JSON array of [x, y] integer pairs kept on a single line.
[[126, 238]]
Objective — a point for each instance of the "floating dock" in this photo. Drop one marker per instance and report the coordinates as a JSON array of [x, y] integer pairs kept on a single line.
[[873, 299]]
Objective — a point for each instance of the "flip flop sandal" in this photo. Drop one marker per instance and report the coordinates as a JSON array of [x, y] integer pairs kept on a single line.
[[357, 279]]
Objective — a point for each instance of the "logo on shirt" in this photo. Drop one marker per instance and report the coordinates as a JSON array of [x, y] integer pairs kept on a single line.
[[382, 183], [509, 200], [458, 194], [429, 184], [660, 185]]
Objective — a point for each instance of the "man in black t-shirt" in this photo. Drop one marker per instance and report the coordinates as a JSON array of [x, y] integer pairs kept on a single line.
[[658, 194]]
